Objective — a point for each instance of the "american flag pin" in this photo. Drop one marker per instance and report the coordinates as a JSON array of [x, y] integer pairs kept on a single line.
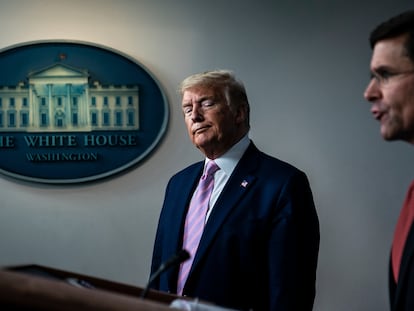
[[244, 183]]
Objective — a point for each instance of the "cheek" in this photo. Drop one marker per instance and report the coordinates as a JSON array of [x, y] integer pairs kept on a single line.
[[221, 126], [404, 101], [408, 113], [188, 125]]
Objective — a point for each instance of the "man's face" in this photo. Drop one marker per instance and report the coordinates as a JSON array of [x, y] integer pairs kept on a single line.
[[212, 126], [391, 89]]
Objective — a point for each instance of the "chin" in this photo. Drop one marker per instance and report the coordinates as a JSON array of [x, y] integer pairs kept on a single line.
[[387, 136], [390, 136], [202, 141]]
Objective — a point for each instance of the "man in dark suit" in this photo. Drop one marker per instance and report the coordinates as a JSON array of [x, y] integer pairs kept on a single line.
[[260, 240], [391, 93]]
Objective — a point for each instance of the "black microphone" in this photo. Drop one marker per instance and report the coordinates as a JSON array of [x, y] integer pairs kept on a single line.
[[178, 258]]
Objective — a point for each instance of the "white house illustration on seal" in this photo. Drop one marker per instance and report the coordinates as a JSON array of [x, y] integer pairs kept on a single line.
[[60, 98]]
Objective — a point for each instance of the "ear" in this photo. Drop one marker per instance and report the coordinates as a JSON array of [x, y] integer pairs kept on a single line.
[[241, 115]]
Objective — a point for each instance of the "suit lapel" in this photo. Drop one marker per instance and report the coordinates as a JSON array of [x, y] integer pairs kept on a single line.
[[183, 188], [406, 261], [238, 184]]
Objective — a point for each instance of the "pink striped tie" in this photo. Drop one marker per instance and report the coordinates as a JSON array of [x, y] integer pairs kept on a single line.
[[194, 223]]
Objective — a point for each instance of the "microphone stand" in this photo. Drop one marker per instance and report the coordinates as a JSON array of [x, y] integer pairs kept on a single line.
[[178, 258]]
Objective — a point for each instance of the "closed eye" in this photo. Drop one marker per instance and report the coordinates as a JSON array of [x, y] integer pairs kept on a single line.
[[187, 109], [207, 103]]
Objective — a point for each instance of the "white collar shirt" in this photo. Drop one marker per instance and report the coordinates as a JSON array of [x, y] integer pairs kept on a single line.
[[227, 163]]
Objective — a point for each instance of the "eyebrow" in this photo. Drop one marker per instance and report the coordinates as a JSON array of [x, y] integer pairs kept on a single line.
[[200, 100], [381, 68]]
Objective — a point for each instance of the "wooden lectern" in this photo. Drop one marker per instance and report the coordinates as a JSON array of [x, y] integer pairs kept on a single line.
[[38, 288]]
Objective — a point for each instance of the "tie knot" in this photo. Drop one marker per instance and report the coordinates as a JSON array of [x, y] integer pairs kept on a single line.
[[211, 168]]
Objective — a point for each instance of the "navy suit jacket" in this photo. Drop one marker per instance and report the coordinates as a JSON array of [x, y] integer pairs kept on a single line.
[[402, 294], [260, 245]]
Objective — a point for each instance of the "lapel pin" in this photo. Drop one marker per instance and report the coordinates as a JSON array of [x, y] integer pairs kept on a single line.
[[244, 183]]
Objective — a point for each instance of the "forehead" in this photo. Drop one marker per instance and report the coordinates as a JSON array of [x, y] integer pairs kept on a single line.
[[201, 91], [391, 53]]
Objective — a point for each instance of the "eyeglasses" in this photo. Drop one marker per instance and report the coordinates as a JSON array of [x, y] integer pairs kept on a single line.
[[383, 76]]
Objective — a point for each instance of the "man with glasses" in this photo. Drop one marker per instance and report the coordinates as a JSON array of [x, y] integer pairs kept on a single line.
[[391, 94]]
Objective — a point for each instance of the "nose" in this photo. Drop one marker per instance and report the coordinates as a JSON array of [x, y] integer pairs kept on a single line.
[[372, 92], [196, 114]]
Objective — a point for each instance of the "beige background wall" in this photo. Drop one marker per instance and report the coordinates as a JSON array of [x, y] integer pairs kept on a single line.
[[305, 66]]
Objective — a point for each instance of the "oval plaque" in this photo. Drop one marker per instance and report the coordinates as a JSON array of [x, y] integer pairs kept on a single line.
[[73, 112]]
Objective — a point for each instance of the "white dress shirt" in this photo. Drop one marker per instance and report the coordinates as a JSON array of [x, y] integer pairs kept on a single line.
[[227, 162]]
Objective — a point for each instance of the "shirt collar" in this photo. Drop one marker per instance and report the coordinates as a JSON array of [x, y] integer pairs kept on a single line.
[[228, 161]]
